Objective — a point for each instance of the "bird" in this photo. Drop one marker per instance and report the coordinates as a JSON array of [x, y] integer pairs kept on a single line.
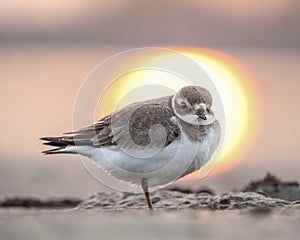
[[149, 143]]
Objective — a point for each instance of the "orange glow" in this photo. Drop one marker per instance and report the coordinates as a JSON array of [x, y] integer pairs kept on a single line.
[[237, 90]]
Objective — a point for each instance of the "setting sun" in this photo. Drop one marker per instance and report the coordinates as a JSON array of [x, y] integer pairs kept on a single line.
[[236, 88]]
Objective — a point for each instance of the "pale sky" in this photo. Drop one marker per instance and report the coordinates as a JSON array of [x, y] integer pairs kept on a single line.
[[231, 23]]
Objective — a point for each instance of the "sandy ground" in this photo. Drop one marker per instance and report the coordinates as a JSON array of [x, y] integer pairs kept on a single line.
[[271, 210], [142, 224], [177, 215]]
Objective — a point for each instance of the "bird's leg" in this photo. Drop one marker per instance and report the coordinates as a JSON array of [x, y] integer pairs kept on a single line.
[[146, 193]]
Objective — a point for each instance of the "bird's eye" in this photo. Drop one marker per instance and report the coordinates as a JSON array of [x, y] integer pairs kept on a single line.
[[183, 104]]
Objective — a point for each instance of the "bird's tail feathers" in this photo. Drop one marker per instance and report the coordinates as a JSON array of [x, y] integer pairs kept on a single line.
[[62, 145], [57, 151]]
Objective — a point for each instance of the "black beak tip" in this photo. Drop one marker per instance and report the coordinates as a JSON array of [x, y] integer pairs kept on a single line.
[[203, 117], [201, 114]]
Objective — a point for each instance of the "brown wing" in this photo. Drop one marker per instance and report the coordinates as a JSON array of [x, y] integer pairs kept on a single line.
[[133, 123], [136, 123], [145, 117]]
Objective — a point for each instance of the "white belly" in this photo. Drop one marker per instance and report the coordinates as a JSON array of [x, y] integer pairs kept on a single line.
[[176, 160]]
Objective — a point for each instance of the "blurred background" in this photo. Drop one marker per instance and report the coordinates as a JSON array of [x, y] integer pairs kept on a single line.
[[47, 48]]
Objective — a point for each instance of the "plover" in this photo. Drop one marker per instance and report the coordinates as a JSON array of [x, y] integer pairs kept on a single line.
[[149, 143]]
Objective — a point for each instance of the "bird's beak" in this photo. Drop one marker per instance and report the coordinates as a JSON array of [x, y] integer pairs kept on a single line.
[[201, 113]]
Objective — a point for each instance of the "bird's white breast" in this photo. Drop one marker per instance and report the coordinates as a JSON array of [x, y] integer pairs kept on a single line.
[[179, 158]]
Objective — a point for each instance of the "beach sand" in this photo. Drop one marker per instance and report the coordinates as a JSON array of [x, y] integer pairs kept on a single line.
[[177, 215], [143, 224]]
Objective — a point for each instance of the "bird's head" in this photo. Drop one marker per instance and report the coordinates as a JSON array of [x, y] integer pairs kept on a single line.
[[192, 104]]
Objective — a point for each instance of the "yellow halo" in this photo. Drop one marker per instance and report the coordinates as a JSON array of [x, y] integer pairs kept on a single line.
[[237, 90]]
